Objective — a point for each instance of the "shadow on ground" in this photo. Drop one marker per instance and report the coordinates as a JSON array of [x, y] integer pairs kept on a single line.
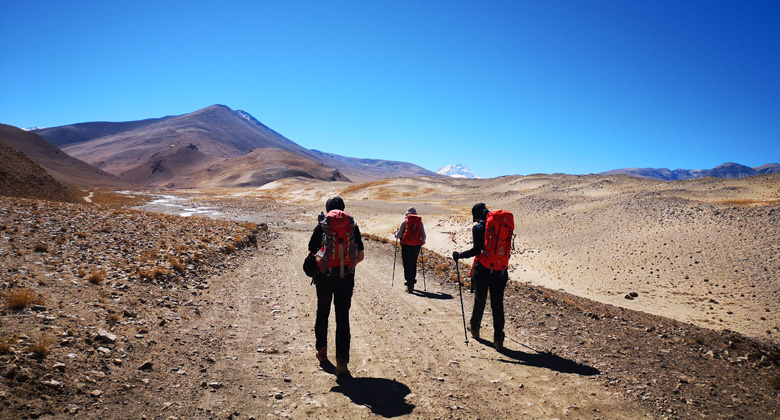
[[429, 295], [542, 359], [384, 397]]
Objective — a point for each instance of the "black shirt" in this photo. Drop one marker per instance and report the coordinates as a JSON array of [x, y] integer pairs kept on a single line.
[[478, 233]]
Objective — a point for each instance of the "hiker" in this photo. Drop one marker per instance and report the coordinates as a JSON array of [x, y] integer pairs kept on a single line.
[[488, 273], [412, 236], [338, 248]]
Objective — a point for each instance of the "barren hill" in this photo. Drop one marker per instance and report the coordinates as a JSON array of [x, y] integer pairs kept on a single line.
[[132, 149], [77, 133], [59, 164], [163, 169], [21, 177], [260, 167]]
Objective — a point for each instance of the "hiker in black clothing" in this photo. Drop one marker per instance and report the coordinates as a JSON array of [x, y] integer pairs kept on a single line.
[[483, 280], [332, 287], [412, 236]]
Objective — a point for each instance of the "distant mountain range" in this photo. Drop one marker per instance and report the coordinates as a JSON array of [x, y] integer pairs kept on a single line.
[[218, 147], [215, 146], [727, 170], [457, 171]]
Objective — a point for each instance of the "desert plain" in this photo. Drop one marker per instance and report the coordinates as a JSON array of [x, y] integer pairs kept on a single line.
[[628, 298]]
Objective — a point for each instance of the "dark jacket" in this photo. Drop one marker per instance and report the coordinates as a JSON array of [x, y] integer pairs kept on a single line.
[[478, 234]]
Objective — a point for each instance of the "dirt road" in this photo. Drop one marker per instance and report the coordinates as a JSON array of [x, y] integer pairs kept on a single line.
[[409, 356]]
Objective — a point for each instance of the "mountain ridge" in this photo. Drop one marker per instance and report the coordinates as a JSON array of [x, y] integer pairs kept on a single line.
[[139, 147], [728, 170]]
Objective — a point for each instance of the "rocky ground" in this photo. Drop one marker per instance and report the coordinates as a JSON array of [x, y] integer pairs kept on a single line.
[[111, 328]]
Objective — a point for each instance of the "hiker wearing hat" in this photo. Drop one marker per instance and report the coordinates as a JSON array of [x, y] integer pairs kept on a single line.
[[412, 236], [489, 269], [338, 248]]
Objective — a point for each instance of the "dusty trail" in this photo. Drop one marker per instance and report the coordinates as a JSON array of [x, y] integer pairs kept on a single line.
[[409, 358]]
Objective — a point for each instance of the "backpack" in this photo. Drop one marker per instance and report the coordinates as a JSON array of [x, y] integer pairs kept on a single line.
[[499, 237], [413, 230], [338, 243]]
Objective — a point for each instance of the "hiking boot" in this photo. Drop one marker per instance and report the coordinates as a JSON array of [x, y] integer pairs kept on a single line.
[[474, 332], [322, 354], [498, 342], [409, 289], [341, 368]]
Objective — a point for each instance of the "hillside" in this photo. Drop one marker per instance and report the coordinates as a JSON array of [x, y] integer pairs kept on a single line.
[[77, 133], [21, 177], [258, 168], [134, 149], [59, 164], [167, 167]]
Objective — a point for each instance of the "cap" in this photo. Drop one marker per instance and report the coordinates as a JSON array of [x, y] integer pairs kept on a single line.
[[411, 210]]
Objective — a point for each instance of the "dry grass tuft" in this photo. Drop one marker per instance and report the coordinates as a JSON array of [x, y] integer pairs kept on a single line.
[[97, 276], [376, 238], [41, 348], [5, 345], [152, 273], [441, 268], [176, 264], [20, 299], [113, 319]]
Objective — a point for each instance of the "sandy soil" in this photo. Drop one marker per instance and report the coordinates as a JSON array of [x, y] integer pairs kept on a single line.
[[232, 337], [703, 251]]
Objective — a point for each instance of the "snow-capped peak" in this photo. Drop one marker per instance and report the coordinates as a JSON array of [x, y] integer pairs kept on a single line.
[[33, 128], [457, 171]]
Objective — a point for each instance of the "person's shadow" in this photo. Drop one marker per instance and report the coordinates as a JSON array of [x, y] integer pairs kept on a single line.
[[384, 397], [542, 359], [430, 295]]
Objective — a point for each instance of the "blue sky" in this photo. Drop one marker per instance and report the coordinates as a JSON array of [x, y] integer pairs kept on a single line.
[[506, 87]]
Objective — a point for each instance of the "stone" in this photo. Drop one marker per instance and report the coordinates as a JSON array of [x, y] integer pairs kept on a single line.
[[146, 366], [106, 336]]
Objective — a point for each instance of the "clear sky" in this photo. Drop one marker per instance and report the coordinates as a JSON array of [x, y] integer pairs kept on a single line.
[[506, 87]]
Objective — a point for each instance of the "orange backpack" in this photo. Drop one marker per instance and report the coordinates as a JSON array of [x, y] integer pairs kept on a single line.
[[413, 230], [499, 236], [338, 243]]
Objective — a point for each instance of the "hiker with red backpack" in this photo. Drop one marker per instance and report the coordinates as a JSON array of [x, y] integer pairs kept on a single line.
[[412, 236], [493, 233], [338, 248]]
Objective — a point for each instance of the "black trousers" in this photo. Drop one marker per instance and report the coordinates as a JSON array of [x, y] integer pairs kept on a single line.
[[339, 291], [409, 254], [483, 282]]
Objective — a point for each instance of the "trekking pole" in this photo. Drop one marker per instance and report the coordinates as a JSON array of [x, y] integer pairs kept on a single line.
[[394, 256], [462, 311], [423, 264]]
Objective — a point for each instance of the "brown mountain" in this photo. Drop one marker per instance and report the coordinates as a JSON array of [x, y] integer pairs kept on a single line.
[[216, 131], [131, 149], [77, 133], [260, 167], [21, 177], [165, 168], [59, 164]]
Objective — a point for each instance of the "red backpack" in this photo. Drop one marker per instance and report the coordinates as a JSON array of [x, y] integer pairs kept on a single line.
[[338, 243], [413, 230], [499, 234]]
